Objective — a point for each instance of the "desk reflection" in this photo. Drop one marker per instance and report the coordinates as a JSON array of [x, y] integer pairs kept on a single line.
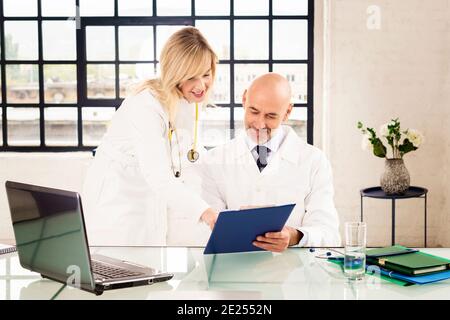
[[250, 275], [251, 266]]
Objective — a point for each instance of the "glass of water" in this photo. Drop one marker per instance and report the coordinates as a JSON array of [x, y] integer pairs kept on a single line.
[[355, 250]]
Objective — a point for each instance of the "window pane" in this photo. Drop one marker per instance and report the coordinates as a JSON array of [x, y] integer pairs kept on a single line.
[[24, 8], [298, 121], [214, 126], [100, 43], [290, 7], [58, 8], [60, 83], [135, 7], [23, 127], [61, 126], [95, 123], [174, 8], [136, 43], [244, 75], [21, 40], [132, 74], [217, 32], [97, 7], [290, 47], [221, 88], [162, 34], [251, 7], [238, 120], [212, 8], [251, 39], [297, 75], [101, 81], [22, 83], [59, 42]]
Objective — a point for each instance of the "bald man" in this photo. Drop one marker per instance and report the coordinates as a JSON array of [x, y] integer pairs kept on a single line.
[[268, 164]]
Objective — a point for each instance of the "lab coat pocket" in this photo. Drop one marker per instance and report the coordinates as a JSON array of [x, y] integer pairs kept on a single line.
[[109, 185], [94, 183], [296, 195], [290, 194]]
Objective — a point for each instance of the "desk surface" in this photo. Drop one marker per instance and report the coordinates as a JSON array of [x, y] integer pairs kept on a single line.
[[294, 274]]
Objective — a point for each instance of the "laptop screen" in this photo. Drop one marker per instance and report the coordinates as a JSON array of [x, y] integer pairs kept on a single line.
[[50, 235]]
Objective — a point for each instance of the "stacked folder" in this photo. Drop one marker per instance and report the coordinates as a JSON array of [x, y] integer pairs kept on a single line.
[[409, 265]]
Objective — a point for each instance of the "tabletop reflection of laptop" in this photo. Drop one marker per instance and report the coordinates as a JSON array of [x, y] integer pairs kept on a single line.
[[51, 239]]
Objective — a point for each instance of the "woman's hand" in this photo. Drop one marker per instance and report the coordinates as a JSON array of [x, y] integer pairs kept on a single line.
[[209, 216]]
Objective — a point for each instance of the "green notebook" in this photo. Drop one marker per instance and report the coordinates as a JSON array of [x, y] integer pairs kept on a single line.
[[412, 263], [388, 251]]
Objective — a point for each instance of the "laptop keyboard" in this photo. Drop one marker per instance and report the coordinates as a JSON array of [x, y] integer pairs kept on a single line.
[[112, 272]]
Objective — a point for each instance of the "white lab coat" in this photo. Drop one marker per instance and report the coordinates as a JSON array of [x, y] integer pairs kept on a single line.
[[130, 192], [297, 173]]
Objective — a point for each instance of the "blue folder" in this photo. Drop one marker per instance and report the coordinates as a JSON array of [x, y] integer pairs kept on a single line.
[[428, 278], [235, 231]]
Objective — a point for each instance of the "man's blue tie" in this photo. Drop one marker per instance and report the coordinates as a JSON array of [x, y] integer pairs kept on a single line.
[[263, 153]]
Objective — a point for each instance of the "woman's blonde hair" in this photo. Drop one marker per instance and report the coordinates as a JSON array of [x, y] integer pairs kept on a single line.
[[185, 55]]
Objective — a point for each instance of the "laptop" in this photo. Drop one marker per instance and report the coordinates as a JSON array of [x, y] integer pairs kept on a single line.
[[51, 239]]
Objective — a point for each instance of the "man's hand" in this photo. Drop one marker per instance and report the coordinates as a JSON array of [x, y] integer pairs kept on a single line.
[[209, 216], [278, 241]]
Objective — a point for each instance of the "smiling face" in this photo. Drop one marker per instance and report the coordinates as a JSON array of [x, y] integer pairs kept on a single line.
[[195, 89], [267, 106]]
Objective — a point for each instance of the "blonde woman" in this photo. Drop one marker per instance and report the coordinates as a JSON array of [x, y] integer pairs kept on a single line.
[[137, 174]]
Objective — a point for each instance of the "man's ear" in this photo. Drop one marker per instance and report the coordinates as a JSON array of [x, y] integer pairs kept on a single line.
[[244, 98], [288, 112]]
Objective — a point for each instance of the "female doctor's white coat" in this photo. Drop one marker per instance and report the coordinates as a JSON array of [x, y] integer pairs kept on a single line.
[[130, 188]]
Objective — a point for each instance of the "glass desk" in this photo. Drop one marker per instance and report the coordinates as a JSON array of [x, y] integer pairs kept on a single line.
[[294, 274]]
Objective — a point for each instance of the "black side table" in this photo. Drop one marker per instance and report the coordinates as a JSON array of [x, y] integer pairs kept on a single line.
[[412, 192]]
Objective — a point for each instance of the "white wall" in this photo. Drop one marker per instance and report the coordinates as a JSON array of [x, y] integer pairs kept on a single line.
[[400, 70], [57, 170]]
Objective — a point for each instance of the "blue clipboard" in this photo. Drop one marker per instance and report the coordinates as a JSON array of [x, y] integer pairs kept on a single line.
[[235, 231]]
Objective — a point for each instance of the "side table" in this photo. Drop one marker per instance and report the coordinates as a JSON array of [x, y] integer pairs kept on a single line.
[[412, 192]]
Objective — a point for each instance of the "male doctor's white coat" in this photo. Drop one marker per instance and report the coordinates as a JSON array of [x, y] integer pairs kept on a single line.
[[297, 173]]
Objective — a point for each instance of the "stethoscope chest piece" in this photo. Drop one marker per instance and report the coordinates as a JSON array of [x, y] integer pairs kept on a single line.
[[193, 155]]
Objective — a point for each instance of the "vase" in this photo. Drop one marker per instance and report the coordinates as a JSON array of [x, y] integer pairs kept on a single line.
[[395, 179]]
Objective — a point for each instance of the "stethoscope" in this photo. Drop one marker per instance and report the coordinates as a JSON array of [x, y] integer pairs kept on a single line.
[[192, 154], [328, 254]]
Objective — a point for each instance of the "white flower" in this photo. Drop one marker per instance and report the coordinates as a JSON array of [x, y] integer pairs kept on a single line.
[[384, 131], [415, 137], [365, 142]]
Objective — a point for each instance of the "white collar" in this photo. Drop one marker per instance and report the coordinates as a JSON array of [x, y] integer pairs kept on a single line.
[[273, 144]]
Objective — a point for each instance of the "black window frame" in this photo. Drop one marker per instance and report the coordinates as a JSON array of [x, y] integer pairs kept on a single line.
[[154, 20]]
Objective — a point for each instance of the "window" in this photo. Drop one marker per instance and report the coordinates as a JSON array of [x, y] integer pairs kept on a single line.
[[66, 65]]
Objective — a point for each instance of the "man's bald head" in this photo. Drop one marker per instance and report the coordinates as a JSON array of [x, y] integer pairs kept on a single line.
[[273, 86], [267, 105]]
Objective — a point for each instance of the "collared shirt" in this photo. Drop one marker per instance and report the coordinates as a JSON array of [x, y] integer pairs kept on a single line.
[[273, 144]]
